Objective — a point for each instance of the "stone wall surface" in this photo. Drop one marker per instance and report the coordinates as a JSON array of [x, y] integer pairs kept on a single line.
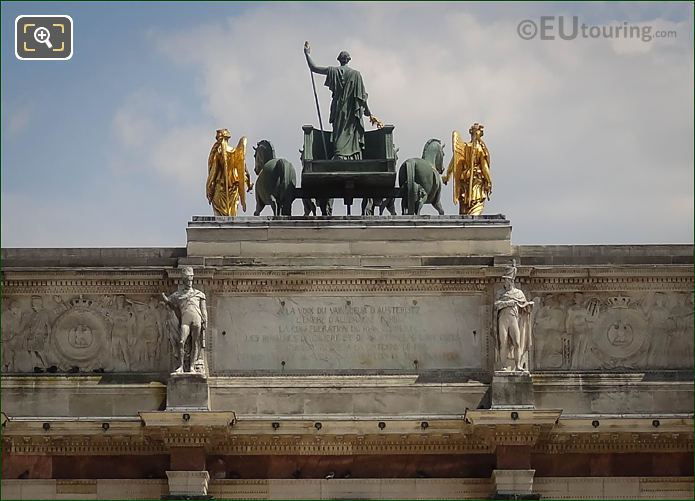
[[349, 332], [551, 488], [598, 308], [353, 337]]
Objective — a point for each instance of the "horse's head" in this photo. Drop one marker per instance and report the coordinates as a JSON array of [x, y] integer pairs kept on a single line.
[[263, 152], [434, 153]]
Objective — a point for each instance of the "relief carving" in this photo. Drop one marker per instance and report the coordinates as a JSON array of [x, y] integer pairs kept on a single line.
[[110, 334], [11, 338], [682, 316], [615, 331], [80, 335], [35, 330], [552, 344], [578, 326], [620, 337], [121, 318]]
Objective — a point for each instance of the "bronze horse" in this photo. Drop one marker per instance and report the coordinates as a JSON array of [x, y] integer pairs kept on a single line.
[[276, 180], [420, 179]]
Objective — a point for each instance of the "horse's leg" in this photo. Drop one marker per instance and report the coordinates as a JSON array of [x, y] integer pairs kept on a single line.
[[309, 207], [390, 206], [260, 205], [421, 198], [437, 196], [286, 205], [367, 206], [438, 205], [274, 205], [419, 191], [326, 205]]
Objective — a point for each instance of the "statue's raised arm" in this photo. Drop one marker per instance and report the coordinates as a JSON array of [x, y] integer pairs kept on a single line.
[[321, 70]]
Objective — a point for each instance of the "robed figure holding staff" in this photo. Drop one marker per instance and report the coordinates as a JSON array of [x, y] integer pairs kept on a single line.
[[512, 325], [470, 167], [227, 175], [348, 106]]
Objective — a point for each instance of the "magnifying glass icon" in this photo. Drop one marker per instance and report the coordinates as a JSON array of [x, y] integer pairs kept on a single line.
[[42, 35]]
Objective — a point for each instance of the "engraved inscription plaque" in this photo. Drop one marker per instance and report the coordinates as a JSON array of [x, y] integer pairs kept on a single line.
[[348, 333]]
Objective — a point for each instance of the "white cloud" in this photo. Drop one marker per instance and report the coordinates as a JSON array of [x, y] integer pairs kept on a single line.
[[584, 134], [150, 131]]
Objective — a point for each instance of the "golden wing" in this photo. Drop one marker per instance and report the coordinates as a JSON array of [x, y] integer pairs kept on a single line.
[[458, 149], [213, 174], [485, 167], [237, 158]]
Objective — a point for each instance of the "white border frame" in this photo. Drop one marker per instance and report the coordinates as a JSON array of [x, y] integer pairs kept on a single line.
[[72, 38]]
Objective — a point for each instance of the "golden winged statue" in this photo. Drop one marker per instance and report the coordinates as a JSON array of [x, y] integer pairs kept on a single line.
[[470, 166], [227, 175]]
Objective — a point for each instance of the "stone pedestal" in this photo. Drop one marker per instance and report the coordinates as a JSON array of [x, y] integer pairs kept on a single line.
[[188, 391], [512, 390], [188, 484], [357, 240], [513, 484]]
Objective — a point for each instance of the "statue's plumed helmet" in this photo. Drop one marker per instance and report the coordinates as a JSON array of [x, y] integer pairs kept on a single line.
[[187, 271], [344, 55], [476, 126], [224, 133]]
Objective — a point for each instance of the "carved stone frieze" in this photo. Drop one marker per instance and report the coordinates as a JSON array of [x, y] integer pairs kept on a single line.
[[59, 333], [615, 442], [614, 331], [481, 441], [650, 331]]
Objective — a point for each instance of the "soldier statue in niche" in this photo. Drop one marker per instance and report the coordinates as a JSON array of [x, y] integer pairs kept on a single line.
[[191, 310]]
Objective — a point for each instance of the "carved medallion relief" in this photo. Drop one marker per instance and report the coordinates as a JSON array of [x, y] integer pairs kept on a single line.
[[601, 331], [80, 334]]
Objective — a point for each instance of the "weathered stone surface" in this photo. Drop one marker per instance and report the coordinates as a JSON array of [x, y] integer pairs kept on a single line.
[[293, 333], [603, 254], [613, 331], [188, 483], [401, 488], [511, 390], [349, 395], [614, 488], [92, 257], [188, 390], [610, 369], [81, 333], [612, 393], [81, 395], [513, 482], [402, 236]]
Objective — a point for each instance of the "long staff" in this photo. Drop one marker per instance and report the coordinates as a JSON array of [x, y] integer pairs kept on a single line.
[[318, 108]]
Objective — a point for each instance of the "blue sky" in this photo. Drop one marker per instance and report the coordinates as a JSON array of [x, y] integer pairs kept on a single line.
[[591, 140]]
